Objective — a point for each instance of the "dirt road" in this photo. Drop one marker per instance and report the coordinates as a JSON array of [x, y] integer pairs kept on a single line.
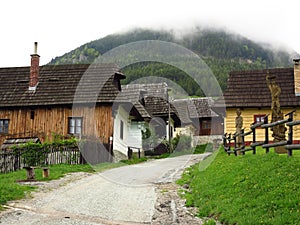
[[125, 195]]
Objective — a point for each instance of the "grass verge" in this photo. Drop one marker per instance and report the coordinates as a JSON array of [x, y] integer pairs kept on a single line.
[[249, 189], [10, 189]]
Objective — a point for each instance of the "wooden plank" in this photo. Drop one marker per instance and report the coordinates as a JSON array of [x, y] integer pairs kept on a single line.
[[275, 144], [293, 147], [274, 123], [293, 123]]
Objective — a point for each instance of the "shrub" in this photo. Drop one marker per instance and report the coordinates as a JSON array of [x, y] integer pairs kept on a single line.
[[181, 142]]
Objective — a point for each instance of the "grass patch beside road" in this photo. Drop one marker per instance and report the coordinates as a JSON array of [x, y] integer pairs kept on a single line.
[[250, 189], [11, 190]]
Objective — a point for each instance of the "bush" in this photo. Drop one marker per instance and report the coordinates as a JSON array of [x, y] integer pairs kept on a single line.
[[181, 143], [36, 154], [203, 148]]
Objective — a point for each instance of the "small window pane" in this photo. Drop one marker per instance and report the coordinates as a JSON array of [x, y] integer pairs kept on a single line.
[[72, 122], [75, 125], [78, 130], [72, 130], [4, 124]]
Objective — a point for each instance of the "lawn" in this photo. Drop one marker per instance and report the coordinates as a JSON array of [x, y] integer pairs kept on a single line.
[[249, 189]]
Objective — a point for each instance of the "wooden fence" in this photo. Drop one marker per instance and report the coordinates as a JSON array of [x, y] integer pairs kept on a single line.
[[230, 140], [14, 160]]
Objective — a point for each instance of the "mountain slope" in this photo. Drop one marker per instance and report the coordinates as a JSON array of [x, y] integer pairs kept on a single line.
[[222, 52]]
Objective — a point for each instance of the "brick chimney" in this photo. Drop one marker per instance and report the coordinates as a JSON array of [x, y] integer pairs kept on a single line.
[[297, 76], [34, 69]]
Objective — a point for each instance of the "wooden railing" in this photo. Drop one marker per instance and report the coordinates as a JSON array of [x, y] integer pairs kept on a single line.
[[230, 140]]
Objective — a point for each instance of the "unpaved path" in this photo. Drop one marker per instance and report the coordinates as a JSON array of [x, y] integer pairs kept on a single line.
[[138, 194]]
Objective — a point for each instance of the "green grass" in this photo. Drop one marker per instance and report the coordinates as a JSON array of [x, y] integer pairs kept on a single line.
[[250, 189], [134, 160], [11, 190]]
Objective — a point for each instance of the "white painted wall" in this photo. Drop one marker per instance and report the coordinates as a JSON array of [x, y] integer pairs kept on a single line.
[[132, 135], [135, 135], [118, 143]]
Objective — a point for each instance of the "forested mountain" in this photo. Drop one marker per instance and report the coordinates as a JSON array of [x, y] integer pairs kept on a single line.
[[222, 52]]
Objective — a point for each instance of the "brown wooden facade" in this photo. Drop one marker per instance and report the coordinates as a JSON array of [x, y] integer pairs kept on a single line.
[[84, 92], [44, 122]]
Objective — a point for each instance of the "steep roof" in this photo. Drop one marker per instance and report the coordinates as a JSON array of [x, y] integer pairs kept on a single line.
[[154, 98], [58, 85], [249, 88], [134, 96], [194, 108]]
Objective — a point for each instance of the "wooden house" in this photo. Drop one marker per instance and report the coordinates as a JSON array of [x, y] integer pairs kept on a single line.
[[42, 101], [138, 106], [199, 119], [248, 91]]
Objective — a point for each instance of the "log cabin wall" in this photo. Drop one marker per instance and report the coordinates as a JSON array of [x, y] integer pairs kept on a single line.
[[43, 122]]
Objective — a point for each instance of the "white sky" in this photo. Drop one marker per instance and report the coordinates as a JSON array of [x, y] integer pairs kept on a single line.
[[62, 25]]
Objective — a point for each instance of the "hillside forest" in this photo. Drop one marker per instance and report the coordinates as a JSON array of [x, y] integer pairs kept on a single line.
[[221, 51]]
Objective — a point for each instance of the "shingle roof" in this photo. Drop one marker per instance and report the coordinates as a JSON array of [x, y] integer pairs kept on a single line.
[[249, 88], [134, 96], [194, 108], [155, 99], [204, 108], [183, 112], [58, 84]]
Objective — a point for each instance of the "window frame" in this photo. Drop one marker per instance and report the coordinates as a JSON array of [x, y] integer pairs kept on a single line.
[[206, 125], [76, 126], [4, 128], [260, 118]]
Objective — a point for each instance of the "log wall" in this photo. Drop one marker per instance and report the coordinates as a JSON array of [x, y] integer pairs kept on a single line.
[[97, 122]]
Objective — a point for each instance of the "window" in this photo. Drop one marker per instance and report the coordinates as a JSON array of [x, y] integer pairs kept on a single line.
[[121, 129], [206, 124], [75, 125], [259, 118], [4, 125]]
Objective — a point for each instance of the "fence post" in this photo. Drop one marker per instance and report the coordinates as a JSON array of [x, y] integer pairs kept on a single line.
[[234, 139], [266, 133], [229, 143], [225, 142], [253, 139], [243, 141], [290, 134]]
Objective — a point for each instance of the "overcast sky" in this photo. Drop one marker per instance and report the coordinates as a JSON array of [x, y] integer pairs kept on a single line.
[[62, 25]]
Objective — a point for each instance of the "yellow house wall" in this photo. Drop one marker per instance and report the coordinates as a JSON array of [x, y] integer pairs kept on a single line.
[[248, 119]]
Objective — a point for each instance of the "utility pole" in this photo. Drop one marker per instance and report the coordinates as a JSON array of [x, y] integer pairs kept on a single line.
[[169, 120]]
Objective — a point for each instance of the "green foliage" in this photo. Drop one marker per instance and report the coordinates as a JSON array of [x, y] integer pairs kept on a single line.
[[221, 51], [250, 189], [209, 222], [149, 138], [182, 143], [134, 160], [199, 149], [35, 154]]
